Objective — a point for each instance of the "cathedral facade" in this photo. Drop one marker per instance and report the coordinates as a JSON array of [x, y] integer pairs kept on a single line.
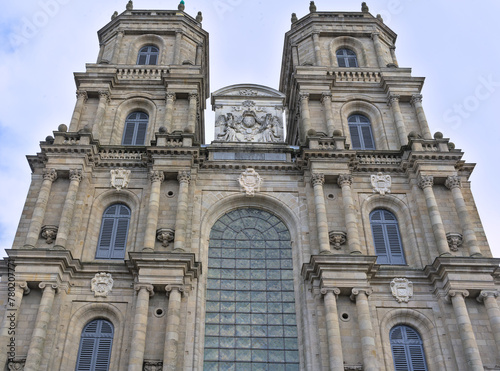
[[324, 228]]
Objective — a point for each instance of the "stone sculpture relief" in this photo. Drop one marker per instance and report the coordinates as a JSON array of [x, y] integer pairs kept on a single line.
[[402, 289], [102, 284], [248, 127], [250, 182], [381, 183], [120, 178]]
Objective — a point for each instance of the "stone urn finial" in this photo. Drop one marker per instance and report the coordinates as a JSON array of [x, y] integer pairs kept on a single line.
[[294, 18], [115, 14], [181, 6], [364, 7], [199, 17], [130, 5], [312, 7]]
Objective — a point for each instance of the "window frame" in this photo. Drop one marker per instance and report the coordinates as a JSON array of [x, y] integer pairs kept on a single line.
[[348, 57], [119, 230], [407, 354], [100, 342], [363, 131], [385, 238], [148, 52], [139, 128]]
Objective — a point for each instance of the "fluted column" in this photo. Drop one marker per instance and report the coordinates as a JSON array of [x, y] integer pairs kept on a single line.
[[392, 48], [469, 343], [416, 102], [305, 117], [335, 356], [75, 176], [398, 118], [326, 99], [169, 111], [369, 350], [173, 321], [184, 178], [49, 176], [11, 315], [177, 48], [35, 350], [193, 108], [317, 49], [426, 182], [454, 184], [317, 180], [101, 109], [345, 182], [156, 178], [378, 49], [81, 98], [489, 298], [138, 345]]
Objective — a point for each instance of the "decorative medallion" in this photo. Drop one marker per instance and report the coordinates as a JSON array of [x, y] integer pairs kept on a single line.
[[402, 289], [250, 182], [101, 284], [381, 183], [120, 178]]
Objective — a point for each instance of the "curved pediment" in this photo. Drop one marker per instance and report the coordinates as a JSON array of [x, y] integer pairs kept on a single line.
[[247, 90]]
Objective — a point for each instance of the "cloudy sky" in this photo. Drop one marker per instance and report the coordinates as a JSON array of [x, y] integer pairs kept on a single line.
[[452, 43]]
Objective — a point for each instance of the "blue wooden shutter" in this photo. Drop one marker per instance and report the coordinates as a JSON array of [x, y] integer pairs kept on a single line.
[[96, 342], [386, 238], [355, 136], [367, 135], [361, 132], [407, 349], [114, 232], [128, 136], [141, 133], [136, 127]]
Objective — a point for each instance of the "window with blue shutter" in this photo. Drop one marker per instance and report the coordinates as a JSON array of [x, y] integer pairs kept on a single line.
[[407, 349], [114, 231], [360, 129], [136, 126], [346, 58], [148, 55], [96, 341], [386, 238]]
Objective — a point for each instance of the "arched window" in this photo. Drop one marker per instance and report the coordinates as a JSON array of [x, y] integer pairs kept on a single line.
[[386, 238], [96, 341], [346, 58], [148, 55], [136, 126], [114, 231], [361, 132], [407, 349]]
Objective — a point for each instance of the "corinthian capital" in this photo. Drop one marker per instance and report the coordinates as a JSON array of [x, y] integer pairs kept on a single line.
[[49, 174], [75, 174], [304, 97], [416, 98], [425, 181], [318, 179], [453, 182], [344, 179], [393, 99], [326, 97], [193, 95], [156, 176], [104, 95], [82, 94], [184, 177], [170, 96]]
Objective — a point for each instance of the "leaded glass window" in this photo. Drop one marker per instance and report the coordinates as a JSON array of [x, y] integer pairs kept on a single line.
[[250, 321], [346, 58]]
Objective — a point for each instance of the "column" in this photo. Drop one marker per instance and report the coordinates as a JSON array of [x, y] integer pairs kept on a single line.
[[317, 49], [102, 46], [49, 176], [416, 102], [306, 117], [75, 176], [199, 55], [378, 49], [454, 184], [192, 110], [136, 360], [392, 48], [398, 118], [469, 344], [177, 48], [156, 178], [184, 178], [116, 49], [489, 298], [426, 182], [37, 342], [172, 333], [101, 109], [326, 99], [369, 350], [169, 111], [81, 99], [336, 358], [10, 319], [295, 55], [317, 180], [345, 182]]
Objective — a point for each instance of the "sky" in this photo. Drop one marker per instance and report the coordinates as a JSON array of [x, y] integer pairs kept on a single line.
[[452, 43]]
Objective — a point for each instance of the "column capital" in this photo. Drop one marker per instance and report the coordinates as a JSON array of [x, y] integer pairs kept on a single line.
[[54, 286], [82, 94], [104, 95], [425, 181], [156, 176], [416, 98], [453, 182], [317, 179], [24, 286], [180, 288], [326, 97], [170, 95], [184, 177], [145, 286], [375, 35], [453, 293], [393, 99], [345, 179], [487, 294], [334, 290], [303, 96], [49, 174], [75, 174], [193, 95], [357, 290]]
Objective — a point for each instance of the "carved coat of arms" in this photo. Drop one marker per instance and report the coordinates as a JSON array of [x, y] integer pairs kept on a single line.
[[381, 183], [101, 284], [250, 182], [402, 289], [120, 178]]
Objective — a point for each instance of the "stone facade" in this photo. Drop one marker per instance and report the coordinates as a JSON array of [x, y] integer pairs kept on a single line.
[[311, 185]]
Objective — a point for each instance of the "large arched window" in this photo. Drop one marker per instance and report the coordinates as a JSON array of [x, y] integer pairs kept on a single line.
[[114, 231], [360, 129], [136, 126], [250, 321], [407, 349], [96, 341], [148, 55], [386, 238], [346, 58]]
